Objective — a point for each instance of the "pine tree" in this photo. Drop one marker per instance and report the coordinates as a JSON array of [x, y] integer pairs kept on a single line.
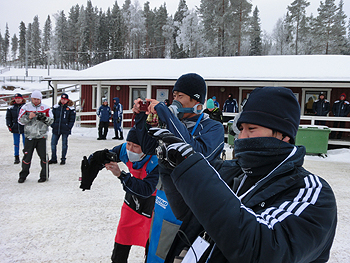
[[61, 40], [150, 28], [324, 26], [339, 30], [73, 36], [297, 19], [160, 21], [36, 42], [255, 35], [190, 36], [127, 17], [22, 43], [1, 50], [117, 32], [46, 46], [137, 29], [177, 50], [29, 45], [14, 47], [6, 44]]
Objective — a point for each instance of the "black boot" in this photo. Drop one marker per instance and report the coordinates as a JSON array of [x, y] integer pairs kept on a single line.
[[121, 136], [116, 136], [16, 159]]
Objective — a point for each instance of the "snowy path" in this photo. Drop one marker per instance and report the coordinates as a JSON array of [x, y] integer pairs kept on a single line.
[[56, 222]]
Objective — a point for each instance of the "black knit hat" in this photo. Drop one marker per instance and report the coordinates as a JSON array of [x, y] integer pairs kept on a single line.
[[64, 96], [132, 137], [275, 108], [192, 85], [18, 95]]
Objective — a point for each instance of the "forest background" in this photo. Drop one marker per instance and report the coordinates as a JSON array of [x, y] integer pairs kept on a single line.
[[87, 35]]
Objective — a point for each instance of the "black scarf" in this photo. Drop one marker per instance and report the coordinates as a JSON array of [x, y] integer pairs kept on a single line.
[[259, 156]]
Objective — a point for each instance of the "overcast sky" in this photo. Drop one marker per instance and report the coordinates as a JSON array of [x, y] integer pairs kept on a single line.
[[15, 11]]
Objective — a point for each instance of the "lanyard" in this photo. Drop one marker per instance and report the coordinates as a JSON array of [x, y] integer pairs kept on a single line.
[[198, 121]]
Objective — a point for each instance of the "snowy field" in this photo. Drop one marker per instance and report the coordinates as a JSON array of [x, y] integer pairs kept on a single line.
[[56, 222]]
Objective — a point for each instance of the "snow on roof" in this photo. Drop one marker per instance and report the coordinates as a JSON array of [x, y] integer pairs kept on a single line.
[[252, 68]]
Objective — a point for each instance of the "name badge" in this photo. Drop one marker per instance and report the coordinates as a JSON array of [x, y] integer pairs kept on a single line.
[[196, 251]]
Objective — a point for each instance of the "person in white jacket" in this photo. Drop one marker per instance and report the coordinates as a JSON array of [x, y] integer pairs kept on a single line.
[[36, 118]]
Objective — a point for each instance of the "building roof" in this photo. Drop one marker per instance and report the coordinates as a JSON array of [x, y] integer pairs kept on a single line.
[[320, 68]]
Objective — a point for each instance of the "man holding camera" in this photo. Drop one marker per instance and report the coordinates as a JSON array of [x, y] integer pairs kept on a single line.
[[263, 206], [186, 120], [36, 118], [139, 186]]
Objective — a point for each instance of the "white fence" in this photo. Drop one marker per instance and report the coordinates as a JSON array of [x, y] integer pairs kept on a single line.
[[310, 119]]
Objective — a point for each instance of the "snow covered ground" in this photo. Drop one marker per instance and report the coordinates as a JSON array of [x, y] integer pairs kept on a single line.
[[56, 222]]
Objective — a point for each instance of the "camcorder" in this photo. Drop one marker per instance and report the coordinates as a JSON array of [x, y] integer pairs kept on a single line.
[[144, 105], [40, 116]]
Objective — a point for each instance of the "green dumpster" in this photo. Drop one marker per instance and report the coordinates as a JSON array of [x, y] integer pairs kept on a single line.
[[230, 133], [314, 138]]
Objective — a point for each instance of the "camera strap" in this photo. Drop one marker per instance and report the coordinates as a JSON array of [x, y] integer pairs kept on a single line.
[[198, 121]]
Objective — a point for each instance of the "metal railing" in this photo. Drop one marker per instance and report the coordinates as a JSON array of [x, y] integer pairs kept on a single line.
[[21, 79]]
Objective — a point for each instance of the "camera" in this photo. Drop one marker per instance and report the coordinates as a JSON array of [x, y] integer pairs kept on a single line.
[[161, 153], [40, 116], [144, 105], [110, 157]]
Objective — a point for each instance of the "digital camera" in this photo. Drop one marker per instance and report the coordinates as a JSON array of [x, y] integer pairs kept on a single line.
[[144, 105]]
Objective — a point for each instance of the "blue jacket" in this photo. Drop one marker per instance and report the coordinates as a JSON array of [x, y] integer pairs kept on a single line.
[[64, 118], [230, 106], [12, 116], [104, 113], [290, 215], [142, 188], [321, 107], [117, 110]]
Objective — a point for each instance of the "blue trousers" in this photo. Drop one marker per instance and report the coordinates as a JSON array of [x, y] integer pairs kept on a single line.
[[54, 142], [16, 142]]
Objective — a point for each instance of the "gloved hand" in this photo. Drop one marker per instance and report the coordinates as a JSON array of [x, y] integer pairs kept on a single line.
[[178, 152], [118, 120], [99, 157], [40, 116], [103, 157], [163, 135], [88, 174], [9, 128]]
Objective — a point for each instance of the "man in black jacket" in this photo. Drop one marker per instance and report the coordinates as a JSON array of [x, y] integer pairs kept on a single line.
[[263, 206], [341, 108], [14, 127], [321, 107], [64, 118]]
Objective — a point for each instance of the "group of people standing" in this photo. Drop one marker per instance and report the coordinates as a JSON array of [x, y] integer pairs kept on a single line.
[[31, 122], [262, 206], [340, 108], [104, 112]]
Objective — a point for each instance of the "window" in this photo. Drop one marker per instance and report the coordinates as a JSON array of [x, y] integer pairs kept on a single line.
[[104, 95], [138, 92], [309, 97]]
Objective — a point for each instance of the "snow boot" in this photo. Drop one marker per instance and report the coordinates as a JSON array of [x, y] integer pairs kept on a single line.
[[116, 136], [16, 160]]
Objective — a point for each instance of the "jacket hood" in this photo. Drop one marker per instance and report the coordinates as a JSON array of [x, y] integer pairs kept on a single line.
[[116, 100], [69, 103], [13, 102]]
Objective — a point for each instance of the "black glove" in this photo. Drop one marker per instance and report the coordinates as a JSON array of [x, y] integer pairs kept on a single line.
[[103, 157], [163, 135], [118, 120], [88, 174], [178, 152], [40, 116], [165, 138]]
